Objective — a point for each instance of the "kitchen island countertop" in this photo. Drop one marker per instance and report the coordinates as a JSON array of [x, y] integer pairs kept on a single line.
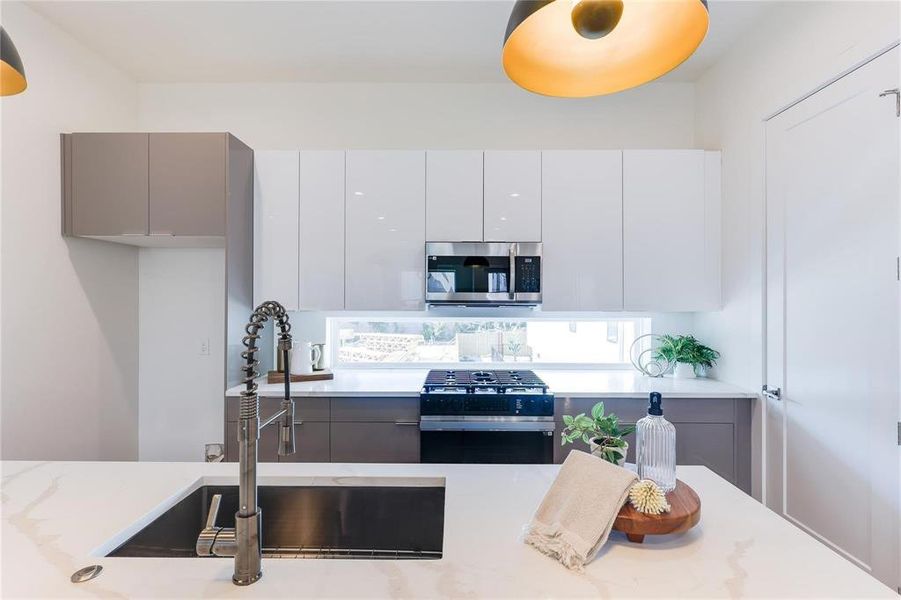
[[564, 383], [59, 517]]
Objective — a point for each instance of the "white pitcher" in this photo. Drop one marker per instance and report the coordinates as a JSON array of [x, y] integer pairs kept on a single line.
[[304, 358]]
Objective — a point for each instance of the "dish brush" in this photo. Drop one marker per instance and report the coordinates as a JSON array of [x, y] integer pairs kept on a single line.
[[647, 497]]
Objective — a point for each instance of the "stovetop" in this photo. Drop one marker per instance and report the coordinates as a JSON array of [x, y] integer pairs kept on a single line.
[[463, 381], [485, 393]]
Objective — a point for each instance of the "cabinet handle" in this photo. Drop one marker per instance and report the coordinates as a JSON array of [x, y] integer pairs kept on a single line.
[[166, 233], [298, 422], [410, 423], [133, 233]]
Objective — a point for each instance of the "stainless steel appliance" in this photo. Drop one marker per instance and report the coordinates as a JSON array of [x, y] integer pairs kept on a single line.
[[497, 416], [483, 274]]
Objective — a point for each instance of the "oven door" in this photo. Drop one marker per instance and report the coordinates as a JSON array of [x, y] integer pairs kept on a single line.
[[483, 273], [487, 440]]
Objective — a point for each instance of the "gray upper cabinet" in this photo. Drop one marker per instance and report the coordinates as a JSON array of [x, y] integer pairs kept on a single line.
[[188, 183], [107, 182], [152, 189]]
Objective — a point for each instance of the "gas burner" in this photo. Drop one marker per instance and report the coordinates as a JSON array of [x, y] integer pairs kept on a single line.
[[485, 393]]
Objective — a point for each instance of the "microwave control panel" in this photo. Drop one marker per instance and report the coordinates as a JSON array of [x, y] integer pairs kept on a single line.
[[528, 274]]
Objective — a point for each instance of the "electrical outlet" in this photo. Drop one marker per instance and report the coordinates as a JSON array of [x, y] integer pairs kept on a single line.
[[204, 347]]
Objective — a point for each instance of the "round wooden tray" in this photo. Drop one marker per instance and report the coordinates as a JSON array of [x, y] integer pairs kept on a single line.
[[684, 514]]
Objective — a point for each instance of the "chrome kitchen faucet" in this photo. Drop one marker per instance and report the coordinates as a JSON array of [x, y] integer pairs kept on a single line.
[[244, 541]]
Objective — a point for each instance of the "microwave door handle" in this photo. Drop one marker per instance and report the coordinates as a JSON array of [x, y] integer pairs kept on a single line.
[[511, 287]]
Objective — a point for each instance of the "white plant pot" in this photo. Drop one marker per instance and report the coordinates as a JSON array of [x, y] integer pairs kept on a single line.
[[684, 371], [598, 451]]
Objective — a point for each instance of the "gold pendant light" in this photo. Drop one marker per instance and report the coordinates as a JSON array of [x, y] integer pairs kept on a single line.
[[12, 73], [579, 48]]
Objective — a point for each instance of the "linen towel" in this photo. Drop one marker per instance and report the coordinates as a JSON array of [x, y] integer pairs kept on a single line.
[[575, 517]]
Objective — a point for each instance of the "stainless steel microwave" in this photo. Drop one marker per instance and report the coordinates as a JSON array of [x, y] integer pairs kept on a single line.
[[483, 274]]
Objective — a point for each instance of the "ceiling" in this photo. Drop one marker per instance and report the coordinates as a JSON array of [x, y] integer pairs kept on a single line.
[[327, 41]]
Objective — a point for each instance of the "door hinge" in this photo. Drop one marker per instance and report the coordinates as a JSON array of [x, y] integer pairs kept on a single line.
[[898, 268], [899, 433], [897, 94]]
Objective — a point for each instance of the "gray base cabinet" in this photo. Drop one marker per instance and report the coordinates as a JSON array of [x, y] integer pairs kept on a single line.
[[364, 430], [715, 433], [375, 442]]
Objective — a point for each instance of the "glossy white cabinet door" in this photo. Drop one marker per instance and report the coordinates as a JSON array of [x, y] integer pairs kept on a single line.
[[512, 196], [275, 237], [453, 196], [322, 230], [385, 228], [671, 230], [582, 219]]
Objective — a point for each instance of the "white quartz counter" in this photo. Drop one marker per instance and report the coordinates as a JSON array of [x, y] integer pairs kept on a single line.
[[565, 384], [58, 517]]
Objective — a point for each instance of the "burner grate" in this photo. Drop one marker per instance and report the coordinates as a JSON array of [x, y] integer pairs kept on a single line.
[[475, 379]]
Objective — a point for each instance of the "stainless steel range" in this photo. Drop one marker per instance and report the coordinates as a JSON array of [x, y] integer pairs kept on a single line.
[[490, 416]]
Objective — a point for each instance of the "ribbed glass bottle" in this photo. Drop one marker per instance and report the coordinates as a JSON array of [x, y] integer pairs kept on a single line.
[[655, 438]]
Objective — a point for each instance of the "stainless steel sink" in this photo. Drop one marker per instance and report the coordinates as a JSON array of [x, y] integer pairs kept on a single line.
[[376, 522]]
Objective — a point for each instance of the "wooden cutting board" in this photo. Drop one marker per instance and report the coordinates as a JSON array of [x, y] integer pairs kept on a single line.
[[279, 377], [684, 514]]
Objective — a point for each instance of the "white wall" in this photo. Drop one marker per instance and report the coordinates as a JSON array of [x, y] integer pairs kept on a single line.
[[287, 116], [182, 309], [804, 45], [69, 331]]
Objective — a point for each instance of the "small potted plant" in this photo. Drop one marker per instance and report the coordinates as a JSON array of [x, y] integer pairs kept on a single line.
[[601, 432], [691, 357]]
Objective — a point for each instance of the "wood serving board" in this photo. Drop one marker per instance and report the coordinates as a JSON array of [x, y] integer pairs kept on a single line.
[[279, 377], [684, 514]]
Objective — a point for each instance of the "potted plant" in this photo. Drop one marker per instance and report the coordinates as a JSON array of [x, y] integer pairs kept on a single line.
[[691, 357], [601, 432]]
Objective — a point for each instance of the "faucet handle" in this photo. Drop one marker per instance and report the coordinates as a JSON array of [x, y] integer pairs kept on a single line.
[[214, 511], [216, 541]]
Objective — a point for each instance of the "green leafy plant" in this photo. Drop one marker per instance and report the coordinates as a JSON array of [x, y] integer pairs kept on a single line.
[[686, 349], [603, 429]]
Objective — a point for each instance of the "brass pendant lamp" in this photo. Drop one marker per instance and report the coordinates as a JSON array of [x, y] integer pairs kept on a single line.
[[579, 48], [12, 73]]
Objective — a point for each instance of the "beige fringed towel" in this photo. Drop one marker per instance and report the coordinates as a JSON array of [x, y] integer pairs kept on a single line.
[[577, 513]]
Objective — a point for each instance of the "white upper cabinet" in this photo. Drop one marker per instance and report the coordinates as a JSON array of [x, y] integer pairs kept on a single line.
[[453, 195], [512, 196], [582, 217], [321, 230], [671, 230], [275, 228], [385, 228]]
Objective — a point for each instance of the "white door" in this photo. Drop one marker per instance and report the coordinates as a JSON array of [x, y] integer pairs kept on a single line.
[[832, 316], [671, 230], [512, 196], [453, 194], [275, 235], [321, 230], [385, 229], [582, 229]]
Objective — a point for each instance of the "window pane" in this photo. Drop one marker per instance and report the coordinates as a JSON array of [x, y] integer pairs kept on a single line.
[[440, 341]]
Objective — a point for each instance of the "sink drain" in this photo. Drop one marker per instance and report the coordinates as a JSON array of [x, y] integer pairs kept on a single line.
[[86, 574]]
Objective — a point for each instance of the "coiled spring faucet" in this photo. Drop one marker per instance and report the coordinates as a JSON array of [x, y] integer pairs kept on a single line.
[[244, 541]]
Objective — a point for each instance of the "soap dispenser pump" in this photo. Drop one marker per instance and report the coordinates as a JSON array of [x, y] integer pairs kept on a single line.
[[655, 438]]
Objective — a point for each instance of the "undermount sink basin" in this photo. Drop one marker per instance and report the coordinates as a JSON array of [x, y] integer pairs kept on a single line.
[[379, 522]]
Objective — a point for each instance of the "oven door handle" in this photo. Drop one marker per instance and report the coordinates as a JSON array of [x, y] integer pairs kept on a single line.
[[525, 426]]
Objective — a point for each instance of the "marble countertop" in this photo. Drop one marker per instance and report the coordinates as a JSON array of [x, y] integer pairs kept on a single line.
[[58, 517], [564, 383]]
